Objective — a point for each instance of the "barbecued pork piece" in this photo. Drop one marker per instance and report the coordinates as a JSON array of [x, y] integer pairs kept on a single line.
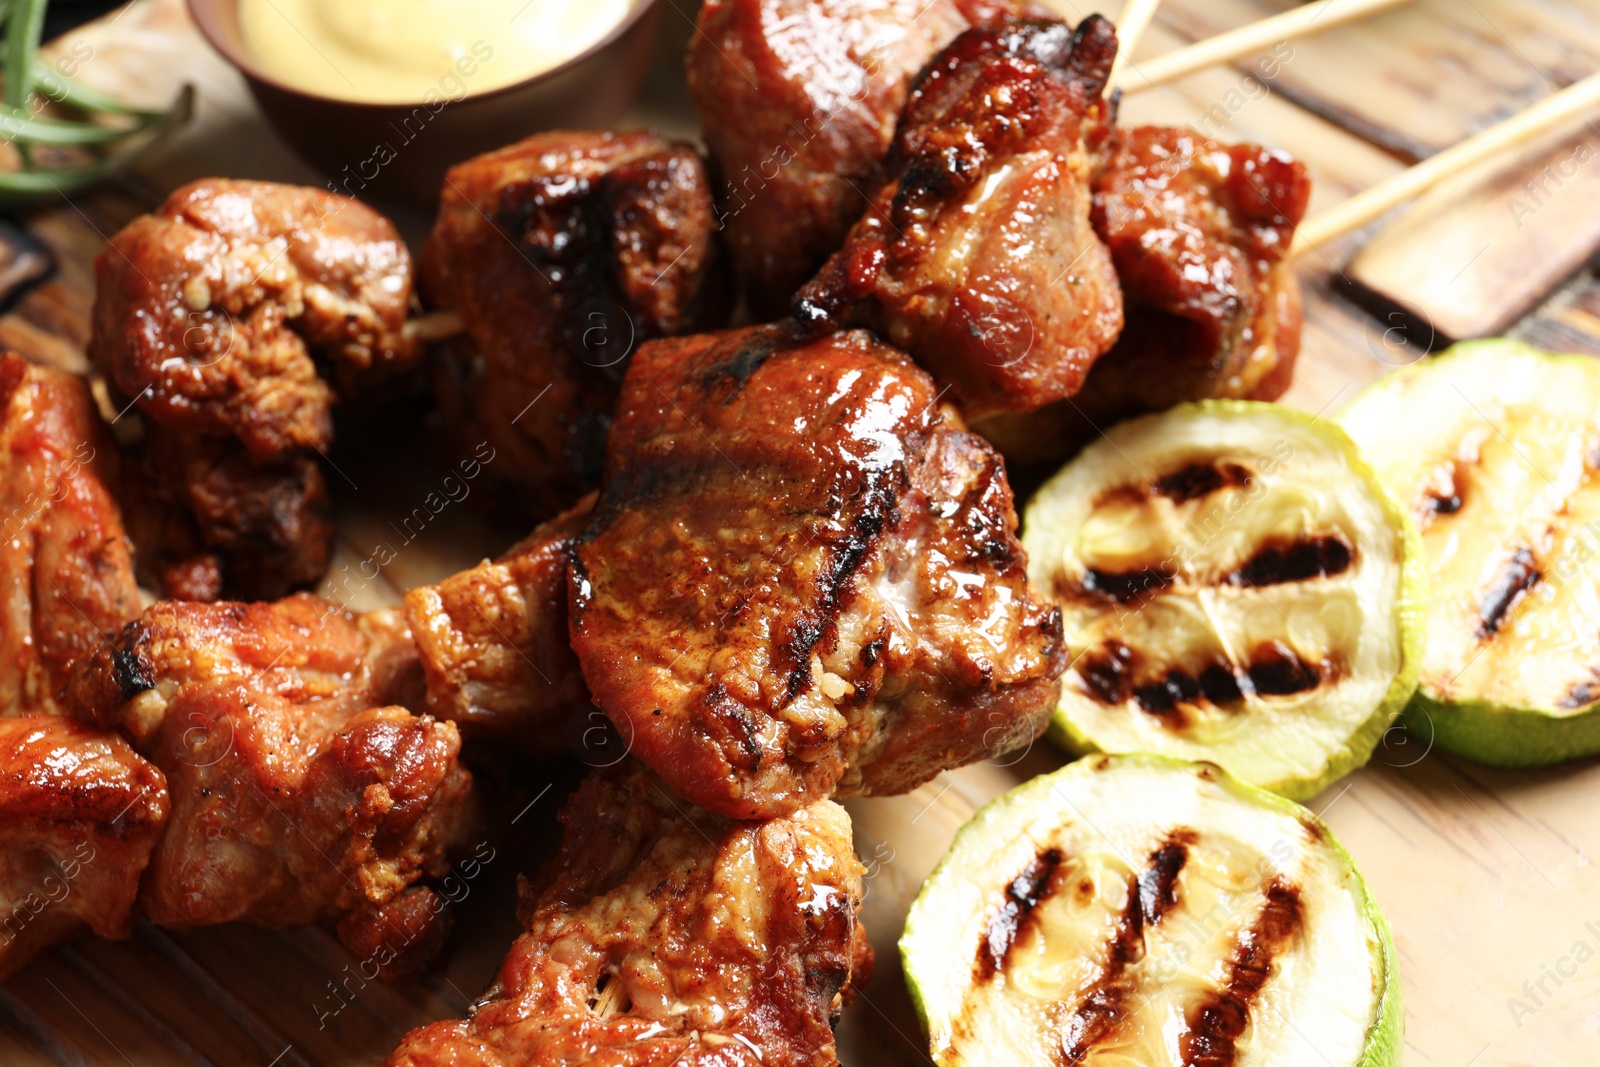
[[561, 253], [300, 793], [799, 100], [205, 514], [978, 256], [64, 557], [802, 576], [1200, 233], [233, 315], [79, 814], [494, 645], [79, 811], [665, 935]]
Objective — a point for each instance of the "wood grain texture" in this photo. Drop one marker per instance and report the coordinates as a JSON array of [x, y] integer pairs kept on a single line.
[[1473, 255], [1486, 876]]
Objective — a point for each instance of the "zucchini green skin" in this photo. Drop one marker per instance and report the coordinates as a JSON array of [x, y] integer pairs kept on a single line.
[[1385, 1036], [1409, 608], [1499, 735], [1486, 731]]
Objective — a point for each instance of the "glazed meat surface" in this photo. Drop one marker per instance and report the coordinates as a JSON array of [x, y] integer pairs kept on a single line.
[[803, 577], [665, 936], [978, 256], [79, 814], [216, 309], [64, 557], [493, 641], [233, 315], [560, 254], [260, 526], [1200, 233], [299, 791], [799, 100]]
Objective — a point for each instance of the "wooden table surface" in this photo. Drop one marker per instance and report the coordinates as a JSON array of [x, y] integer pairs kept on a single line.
[[1486, 876]]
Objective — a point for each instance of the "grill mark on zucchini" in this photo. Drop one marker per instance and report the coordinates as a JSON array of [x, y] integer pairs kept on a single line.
[[1299, 560], [1216, 1021], [1201, 479], [1109, 675], [1124, 587], [1445, 492], [1520, 574], [1150, 896], [1277, 562], [1023, 894], [1584, 692]]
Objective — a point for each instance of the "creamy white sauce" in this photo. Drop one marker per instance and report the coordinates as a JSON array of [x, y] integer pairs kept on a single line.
[[418, 51]]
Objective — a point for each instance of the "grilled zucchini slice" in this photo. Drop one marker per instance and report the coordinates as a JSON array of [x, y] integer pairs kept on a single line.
[[1494, 447], [1138, 910], [1236, 586]]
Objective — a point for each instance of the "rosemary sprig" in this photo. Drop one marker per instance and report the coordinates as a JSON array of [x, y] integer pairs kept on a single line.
[[101, 134]]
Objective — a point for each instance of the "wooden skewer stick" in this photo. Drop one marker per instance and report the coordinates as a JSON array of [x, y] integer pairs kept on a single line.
[[1136, 15], [434, 326], [1551, 113], [1252, 39]]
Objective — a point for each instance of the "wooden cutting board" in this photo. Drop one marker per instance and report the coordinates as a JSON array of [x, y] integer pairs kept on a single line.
[[1486, 876]]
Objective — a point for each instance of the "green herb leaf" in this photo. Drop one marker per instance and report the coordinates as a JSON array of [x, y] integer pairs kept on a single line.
[[22, 46]]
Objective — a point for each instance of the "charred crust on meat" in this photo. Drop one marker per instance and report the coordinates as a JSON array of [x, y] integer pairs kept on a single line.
[[131, 670], [740, 726], [811, 626]]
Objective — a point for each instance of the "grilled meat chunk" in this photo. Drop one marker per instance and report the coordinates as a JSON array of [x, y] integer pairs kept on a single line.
[[214, 310], [666, 935], [799, 100], [1200, 233], [494, 645], [79, 814], [79, 811], [802, 576], [299, 792], [232, 315], [64, 556], [561, 253], [260, 526], [978, 257]]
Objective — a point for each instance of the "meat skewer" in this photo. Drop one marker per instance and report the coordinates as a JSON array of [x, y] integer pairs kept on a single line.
[[1199, 233], [302, 791], [978, 257], [80, 811], [493, 642], [798, 100], [559, 255], [233, 315], [663, 934], [802, 576]]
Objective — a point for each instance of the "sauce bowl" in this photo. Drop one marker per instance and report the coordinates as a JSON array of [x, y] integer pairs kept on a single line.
[[402, 150]]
